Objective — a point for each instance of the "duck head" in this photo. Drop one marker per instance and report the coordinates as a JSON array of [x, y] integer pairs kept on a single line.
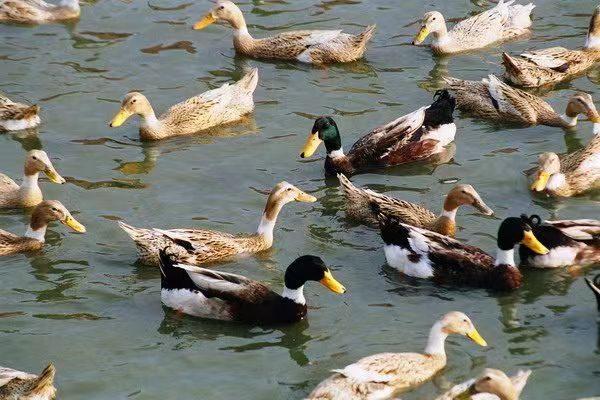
[[548, 165], [432, 23], [53, 210], [311, 268], [38, 161], [223, 11], [324, 130], [134, 103], [515, 230]]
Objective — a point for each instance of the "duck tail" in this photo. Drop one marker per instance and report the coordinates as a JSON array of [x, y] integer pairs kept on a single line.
[[511, 65], [249, 81], [29, 112], [348, 188], [132, 231], [44, 383], [441, 110], [390, 228], [595, 286], [366, 35]]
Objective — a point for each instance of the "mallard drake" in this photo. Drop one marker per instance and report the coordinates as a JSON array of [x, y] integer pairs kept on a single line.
[[28, 194], [359, 206], [501, 23], [570, 242], [38, 11], [313, 47], [219, 106], [425, 254], [492, 384], [413, 137], [17, 116], [495, 100], [569, 175], [595, 286], [18, 385], [33, 239], [381, 376], [213, 294], [556, 64], [200, 246]]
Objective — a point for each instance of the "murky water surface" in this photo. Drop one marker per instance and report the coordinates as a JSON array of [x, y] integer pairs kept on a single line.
[[86, 304]]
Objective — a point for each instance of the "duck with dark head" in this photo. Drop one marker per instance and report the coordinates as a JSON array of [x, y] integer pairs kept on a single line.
[[413, 137]]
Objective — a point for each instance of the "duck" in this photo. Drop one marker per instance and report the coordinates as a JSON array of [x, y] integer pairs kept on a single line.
[[499, 24], [595, 287], [17, 116], [492, 384], [38, 11], [421, 253], [381, 376], [201, 246], [34, 238], [570, 242], [223, 105], [28, 194], [18, 385], [492, 99], [307, 46], [413, 137], [359, 207], [556, 64], [211, 294], [569, 175]]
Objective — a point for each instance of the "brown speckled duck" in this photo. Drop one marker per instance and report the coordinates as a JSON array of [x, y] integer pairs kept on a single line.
[[492, 384], [38, 11], [17, 116], [18, 385]]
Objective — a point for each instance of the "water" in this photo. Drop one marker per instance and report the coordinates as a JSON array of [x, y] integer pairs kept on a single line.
[[86, 305]]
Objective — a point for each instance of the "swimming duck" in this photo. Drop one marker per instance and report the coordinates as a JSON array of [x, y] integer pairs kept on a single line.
[[492, 384], [425, 254], [501, 23], [38, 11], [17, 116], [219, 106], [570, 242], [213, 294], [359, 207], [495, 100], [18, 385], [309, 46], [595, 286], [556, 64], [200, 246], [33, 239], [413, 137], [571, 174], [28, 194], [381, 376]]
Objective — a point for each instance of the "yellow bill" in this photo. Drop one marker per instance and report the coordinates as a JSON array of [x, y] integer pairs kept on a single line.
[[311, 145], [421, 36], [476, 337], [540, 182], [121, 117], [54, 176], [329, 282], [74, 224], [305, 197], [205, 21], [531, 241]]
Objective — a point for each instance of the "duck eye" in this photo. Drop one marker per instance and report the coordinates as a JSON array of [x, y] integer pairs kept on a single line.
[[222, 8], [289, 189], [34, 157], [54, 209], [134, 100]]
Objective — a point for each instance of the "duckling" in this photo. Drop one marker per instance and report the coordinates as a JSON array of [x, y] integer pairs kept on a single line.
[[413, 137], [309, 46], [33, 239], [224, 105], [213, 294], [570, 242], [200, 246], [501, 23], [421, 253], [38, 11], [556, 64], [28, 194], [17, 385], [569, 175], [359, 207], [595, 286], [17, 116], [492, 384], [495, 100], [381, 376]]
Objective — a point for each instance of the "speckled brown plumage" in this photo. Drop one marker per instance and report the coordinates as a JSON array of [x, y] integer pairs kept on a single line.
[[17, 385], [37, 11]]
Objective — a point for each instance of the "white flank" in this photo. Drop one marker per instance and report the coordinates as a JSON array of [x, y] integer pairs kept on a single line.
[[361, 375], [397, 257], [20, 124], [305, 57], [444, 134], [561, 256], [195, 304]]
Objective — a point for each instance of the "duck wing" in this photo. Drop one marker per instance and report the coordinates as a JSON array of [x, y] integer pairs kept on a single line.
[[578, 229], [554, 58], [7, 184]]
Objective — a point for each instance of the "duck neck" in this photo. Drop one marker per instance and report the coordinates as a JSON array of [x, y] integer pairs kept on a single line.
[[436, 341], [296, 295], [268, 220], [30, 181], [505, 257], [242, 40], [441, 36], [446, 221], [569, 121], [38, 234]]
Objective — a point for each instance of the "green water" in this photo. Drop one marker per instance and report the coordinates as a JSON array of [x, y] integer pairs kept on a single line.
[[85, 304]]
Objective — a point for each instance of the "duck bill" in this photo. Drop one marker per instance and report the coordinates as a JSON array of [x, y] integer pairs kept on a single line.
[[74, 224], [54, 176], [312, 144], [332, 284], [532, 243], [305, 197], [540, 182], [204, 22], [476, 337], [482, 207], [421, 36], [119, 118]]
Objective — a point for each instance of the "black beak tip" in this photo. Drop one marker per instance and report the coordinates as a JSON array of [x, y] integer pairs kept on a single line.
[[302, 155], [110, 124]]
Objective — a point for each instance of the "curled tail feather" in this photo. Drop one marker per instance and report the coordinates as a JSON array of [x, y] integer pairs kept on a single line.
[[29, 112], [44, 382], [249, 81], [366, 35]]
